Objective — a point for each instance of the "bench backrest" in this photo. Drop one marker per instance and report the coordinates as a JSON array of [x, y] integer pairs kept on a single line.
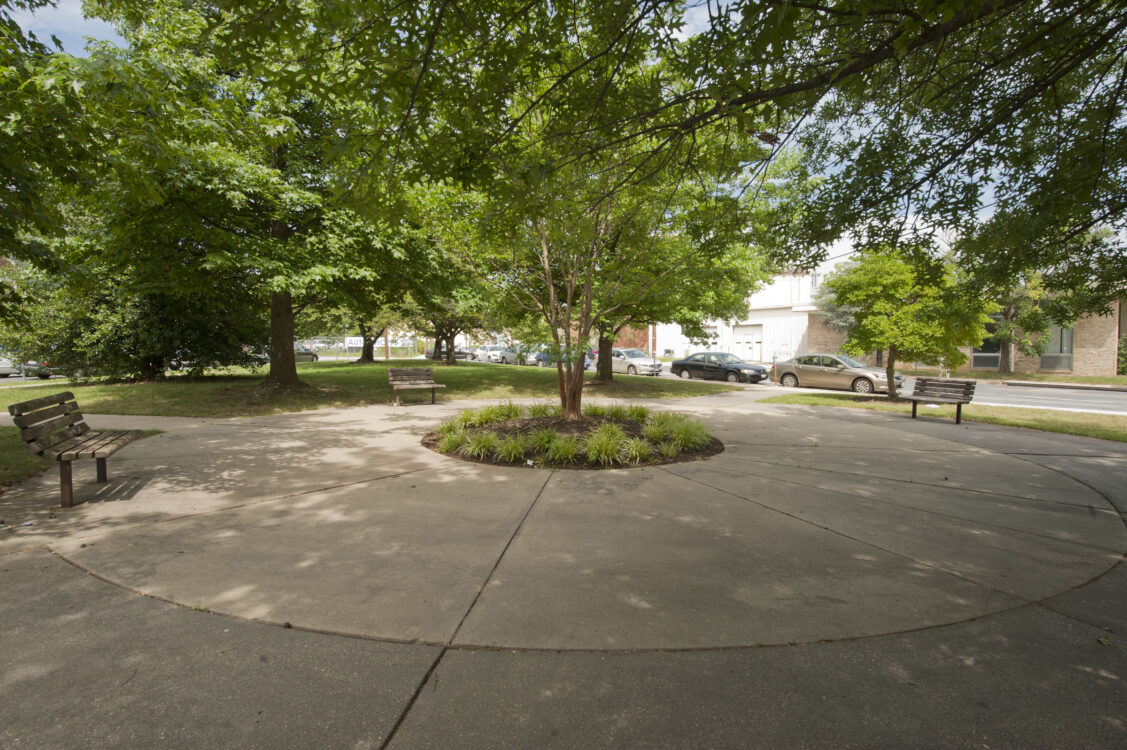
[[48, 421], [944, 387], [410, 375]]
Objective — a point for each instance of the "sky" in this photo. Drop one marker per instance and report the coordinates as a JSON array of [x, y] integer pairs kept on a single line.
[[67, 23]]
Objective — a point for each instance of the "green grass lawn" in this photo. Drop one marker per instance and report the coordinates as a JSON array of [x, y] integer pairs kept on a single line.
[[16, 462], [340, 384], [1106, 426]]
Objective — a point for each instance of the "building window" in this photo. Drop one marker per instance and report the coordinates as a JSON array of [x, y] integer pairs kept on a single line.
[[1059, 354], [988, 354]]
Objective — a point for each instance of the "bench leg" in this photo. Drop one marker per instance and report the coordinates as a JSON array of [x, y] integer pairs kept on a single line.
[[914, 409], [66, 488], [432, 395], [102, 474], [958, 413]]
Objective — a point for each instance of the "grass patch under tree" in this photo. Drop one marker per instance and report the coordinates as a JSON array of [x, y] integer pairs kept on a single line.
[[337, 384]]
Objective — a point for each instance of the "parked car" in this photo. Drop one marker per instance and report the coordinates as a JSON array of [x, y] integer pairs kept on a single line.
[[303, 354], [459, 353], [42, 370], [544, 358], [505, 356], [718, 366], [831, 371], [481, 354], [8, 368], [634, 362]]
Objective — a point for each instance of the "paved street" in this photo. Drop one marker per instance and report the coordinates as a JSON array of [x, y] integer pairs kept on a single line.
[[832, 579]]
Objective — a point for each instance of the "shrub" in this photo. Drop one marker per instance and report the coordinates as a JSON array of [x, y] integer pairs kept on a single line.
[[481, 445], [539, 410], [638, 413], [508, 410], [669, 450], [655, 433], [1122, 368], [688, 435], [564, 449], [452, 442], [451, 426], [618, 413], [511, 449], [604, 445], [542, 439], [636, 450], [594, 410]]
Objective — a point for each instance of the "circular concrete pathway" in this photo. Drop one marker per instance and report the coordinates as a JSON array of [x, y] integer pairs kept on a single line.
[[811, 526]]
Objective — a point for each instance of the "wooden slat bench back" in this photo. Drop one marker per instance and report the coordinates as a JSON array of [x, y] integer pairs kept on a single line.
[[53, 427], [412, 378]]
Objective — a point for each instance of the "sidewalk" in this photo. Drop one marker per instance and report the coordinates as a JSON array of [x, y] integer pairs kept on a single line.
[[832, 579]]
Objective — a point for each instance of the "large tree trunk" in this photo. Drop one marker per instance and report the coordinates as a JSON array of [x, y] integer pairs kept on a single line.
[[1006, 357], [890, 372], [368, 350], [283, 368], [152, 368], [449, 341], [571, 388], [604, 368]]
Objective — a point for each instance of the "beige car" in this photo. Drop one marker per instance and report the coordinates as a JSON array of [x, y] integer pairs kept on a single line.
[[831, 371]]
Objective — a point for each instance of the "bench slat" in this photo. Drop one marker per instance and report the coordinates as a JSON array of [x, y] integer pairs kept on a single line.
[[29, 406], [27, 420], [50, 441], [94, 445], [415, 387], [73, 419]]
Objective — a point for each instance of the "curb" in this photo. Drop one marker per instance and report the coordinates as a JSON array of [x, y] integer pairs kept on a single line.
[[1074, 386]]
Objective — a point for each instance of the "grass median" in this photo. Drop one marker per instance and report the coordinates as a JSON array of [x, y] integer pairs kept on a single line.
[[1104, 426], [340, 384]]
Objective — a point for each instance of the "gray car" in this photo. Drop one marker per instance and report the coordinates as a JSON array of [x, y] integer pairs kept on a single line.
[[831, 371], [634, 362]]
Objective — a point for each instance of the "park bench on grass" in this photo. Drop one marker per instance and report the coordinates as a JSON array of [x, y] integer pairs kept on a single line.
[[943, 391], [52, 427], [412, 379]]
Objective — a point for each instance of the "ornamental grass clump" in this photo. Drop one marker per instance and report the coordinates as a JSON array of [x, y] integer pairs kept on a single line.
[[535, 411], [668, 450], [594, 411], [481, 445], [637, 413], [511, 449], [451, 426], [617, 413], [542, 439], [604, 445], [689, 435], [636, 451], [563, 449], [452, 441]]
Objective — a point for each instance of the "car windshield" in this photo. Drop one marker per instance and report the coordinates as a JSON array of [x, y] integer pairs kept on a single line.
[[728, 359], [850, 362], [634, 354]]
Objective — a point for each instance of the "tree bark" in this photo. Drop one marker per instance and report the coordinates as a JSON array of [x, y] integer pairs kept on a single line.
[[890, 372], [152, 368], [283, 367], [368, 350], [604, 369], [1006, 357], [449, 341]]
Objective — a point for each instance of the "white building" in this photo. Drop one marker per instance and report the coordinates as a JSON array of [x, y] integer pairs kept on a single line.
[[778, 324]]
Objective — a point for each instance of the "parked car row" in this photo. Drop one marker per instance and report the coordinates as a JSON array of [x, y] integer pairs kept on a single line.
[[40, 369]]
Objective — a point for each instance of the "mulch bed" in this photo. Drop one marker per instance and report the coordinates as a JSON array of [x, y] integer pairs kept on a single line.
[[580, 429]]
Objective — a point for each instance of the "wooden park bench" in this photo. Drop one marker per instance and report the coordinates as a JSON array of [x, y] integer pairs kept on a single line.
[[943, 391], [412, 379], [52, 427]]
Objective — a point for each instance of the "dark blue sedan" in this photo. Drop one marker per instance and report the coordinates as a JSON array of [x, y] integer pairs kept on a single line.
[[718, 366]]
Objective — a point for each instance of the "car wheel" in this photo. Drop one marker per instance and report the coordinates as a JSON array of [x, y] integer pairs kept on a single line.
[[863, 385], [43, 375], [733, 377], [631, 370], [789, 380], [541, 363], [686, 375], [4, 374], [315, 358]]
